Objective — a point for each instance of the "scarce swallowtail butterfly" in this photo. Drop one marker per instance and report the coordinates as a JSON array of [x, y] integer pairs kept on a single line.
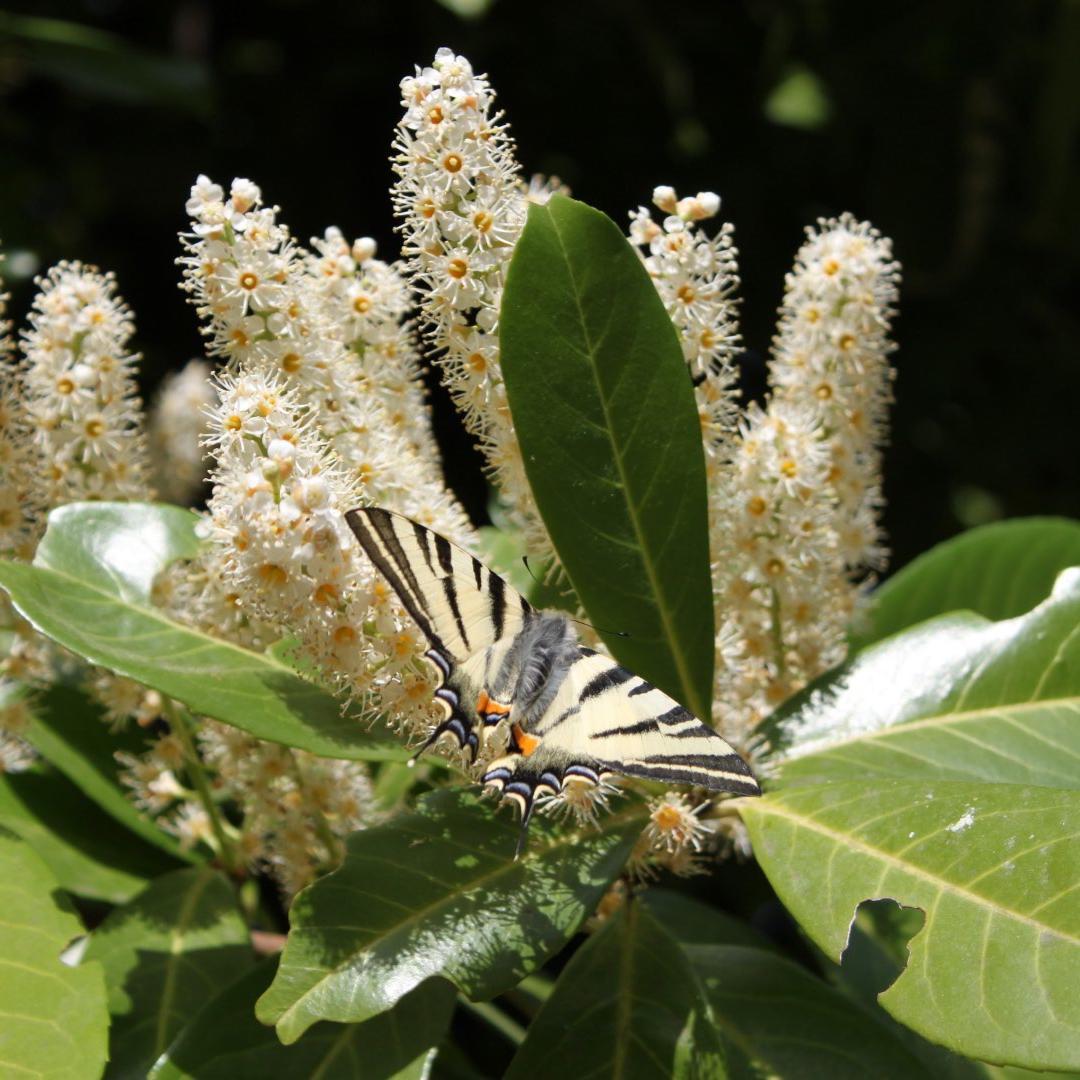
[[574, 716]]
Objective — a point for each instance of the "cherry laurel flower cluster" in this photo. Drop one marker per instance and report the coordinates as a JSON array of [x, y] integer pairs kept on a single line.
[[294, 809], [79, 402], [20, 509], [696, 276], [831, 356], [366, 303], [80, 390], [176, 425], [461, 203], [803, 495], [263, 310]]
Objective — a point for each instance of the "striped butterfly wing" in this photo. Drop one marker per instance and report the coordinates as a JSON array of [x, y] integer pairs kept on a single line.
[[604, 720], [459, 605]]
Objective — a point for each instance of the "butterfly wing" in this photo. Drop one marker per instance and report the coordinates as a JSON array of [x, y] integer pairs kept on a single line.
[[605, 720], [462, 609]]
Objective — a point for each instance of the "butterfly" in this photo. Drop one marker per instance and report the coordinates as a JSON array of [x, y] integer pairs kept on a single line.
[[574, 715]]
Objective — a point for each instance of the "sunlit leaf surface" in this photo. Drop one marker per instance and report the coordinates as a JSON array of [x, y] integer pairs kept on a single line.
[[436, 891], [53, 1020]]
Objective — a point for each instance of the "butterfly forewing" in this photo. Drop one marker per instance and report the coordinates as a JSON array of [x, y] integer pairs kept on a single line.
[[462, 608], [459, 605]]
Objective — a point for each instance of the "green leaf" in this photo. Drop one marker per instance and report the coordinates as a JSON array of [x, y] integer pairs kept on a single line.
[[69, 731], [436, 891], [225, 1041], [609, 432], [118, 547], [89, 853], [691, 922], [53, 1020], [956, 697], [791, 1024], [164, 954], [103, 65], [627, 1005], [998, 571], [995, 971], [89, 590]]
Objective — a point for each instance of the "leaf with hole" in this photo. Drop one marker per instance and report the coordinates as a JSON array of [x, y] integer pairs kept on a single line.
[[610, 436], [89, 589], [994, 867], [436, 891], [164, 953], [53, 1020]]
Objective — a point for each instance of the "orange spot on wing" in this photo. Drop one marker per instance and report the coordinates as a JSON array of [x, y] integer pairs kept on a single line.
[[485, 706], [527, 743]]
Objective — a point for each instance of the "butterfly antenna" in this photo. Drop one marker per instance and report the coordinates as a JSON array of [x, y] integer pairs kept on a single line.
[[601, 630], [580, 622]]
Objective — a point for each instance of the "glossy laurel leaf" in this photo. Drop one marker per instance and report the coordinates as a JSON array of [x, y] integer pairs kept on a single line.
[[70, 732], [436, 891], [957, 697], [53, 1019], [90, 854], [225, 1041], [997, 571], [994, 869], [162, 953], [628, 1005], [89, 589], [609, 432]]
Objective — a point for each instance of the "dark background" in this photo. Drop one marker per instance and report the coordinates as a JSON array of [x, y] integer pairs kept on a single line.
[[953, 127]]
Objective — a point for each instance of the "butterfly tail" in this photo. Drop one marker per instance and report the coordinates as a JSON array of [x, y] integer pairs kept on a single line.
[[523, 834]]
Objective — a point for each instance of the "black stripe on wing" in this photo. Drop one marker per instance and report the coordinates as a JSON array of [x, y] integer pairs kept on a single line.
[[717, 772], [384, 549], [459, 605]]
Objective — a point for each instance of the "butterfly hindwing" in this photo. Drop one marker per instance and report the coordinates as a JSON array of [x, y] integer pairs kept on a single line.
[[465, 612], [635, 729], [603, 720]]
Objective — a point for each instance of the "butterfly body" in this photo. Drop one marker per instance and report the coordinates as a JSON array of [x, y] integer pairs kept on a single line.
[[573, 716]]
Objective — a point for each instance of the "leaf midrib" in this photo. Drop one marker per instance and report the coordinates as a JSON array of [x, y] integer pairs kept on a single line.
[[665, 617], [848, 840], [260, 659], [176, 942], [563, 840]]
